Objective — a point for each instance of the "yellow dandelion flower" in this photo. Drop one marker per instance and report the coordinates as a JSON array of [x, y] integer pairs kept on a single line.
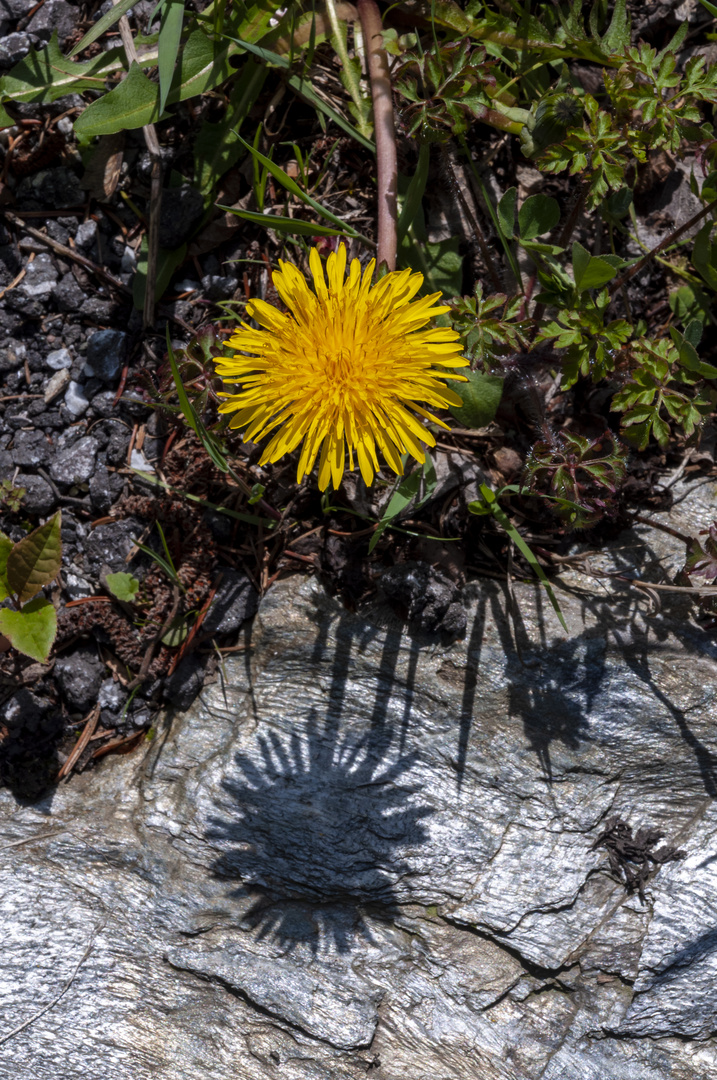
[[349, 369]]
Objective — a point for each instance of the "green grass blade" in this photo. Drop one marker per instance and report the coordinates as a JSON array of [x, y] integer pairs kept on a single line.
[[160, 560], [490, 499], [191, 417], [102, 25], [290, 226], [166, 548], [170, 36], [414, 195]]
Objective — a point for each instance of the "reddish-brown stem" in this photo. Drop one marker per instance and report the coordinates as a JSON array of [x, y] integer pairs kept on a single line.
[[385, 133]]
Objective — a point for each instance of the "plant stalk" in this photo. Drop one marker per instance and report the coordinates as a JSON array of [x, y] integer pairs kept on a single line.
[[384, 130], [155, 197]]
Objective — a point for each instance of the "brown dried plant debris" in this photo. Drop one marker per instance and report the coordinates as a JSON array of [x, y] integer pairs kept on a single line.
[[193, 551], [633, 859]]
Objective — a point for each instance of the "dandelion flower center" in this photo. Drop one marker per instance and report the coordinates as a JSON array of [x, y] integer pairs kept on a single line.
[[350, 369]]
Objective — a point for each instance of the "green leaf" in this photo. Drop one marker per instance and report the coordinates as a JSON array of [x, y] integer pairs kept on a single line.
[[693, 332], [402, 497], [35, 560], [47, 75], [590, 271], [704, 256], [441, 263], [176, 632], [481, 397], [617, 37], [416, 188], [539, 214], [203, 64], [6, 546], [123, 586], [32, 630], [506, 212], [132, 104], [287, 225], [170, 36], [167, 263], [102, 25], [5, 119]]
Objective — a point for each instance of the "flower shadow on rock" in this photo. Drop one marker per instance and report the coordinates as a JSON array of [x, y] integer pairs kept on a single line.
[[318, 825]]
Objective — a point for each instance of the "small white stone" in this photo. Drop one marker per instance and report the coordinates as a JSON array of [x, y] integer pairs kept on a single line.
[[59, 358], [86, 233], [139, 462], [110, 695], [75, 400], [77, 586], [56, 385]]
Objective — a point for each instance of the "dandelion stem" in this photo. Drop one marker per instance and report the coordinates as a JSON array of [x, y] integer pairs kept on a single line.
[[385, 133]]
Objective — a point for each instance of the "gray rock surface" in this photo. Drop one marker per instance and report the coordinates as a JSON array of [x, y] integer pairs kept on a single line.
[[39, 497], [365, 852], [236, 600], [76, 463]]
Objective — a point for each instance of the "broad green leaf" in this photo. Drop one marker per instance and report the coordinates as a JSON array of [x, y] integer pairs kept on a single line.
[[35, 560], [167, 263], [202, 65], [704, 255], [481, 397], [103, 24], [32, 630], [5, 119], [590, 271], [6, 546], [416, 188], [694, 331], [170, 36], [538, 214], [617, 37], [132, 104], [441, 263], [176, 632], [46, 75], [506, 212], [688, 355], [123, 586], [287, 225]]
